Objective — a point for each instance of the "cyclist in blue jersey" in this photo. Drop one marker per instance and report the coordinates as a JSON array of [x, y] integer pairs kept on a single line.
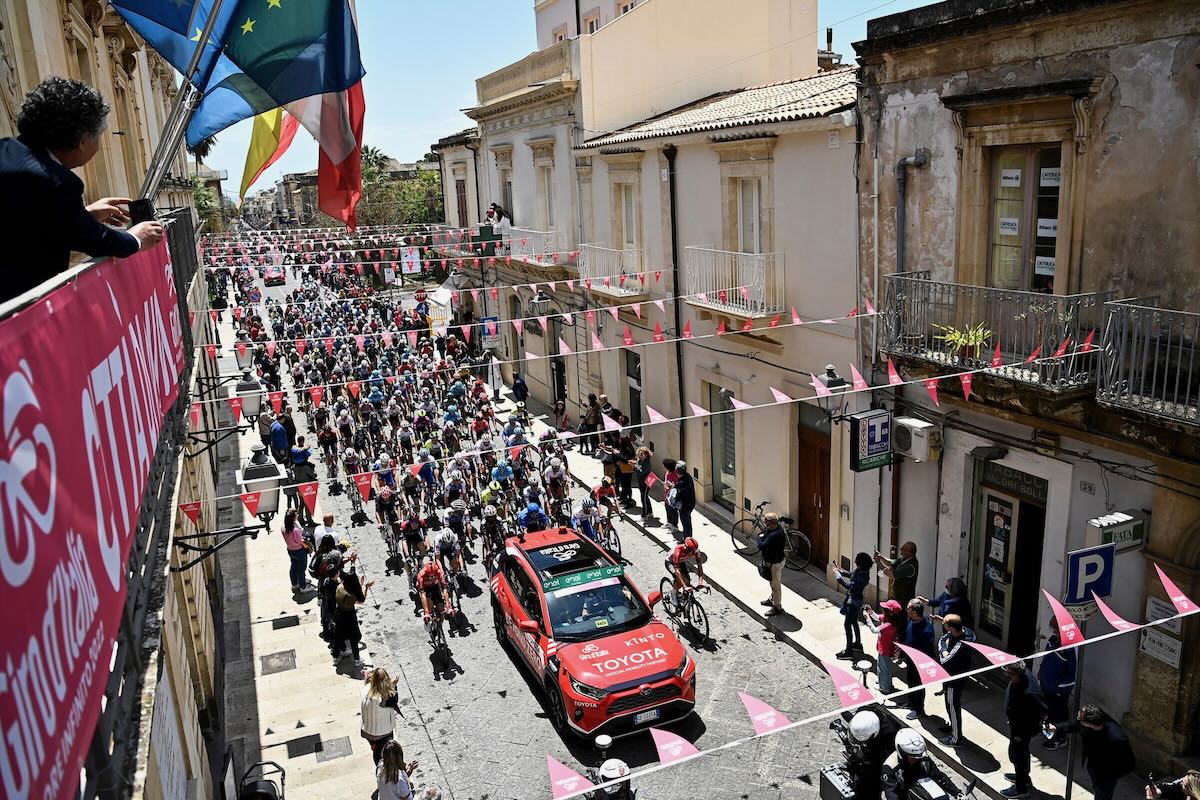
[[533, 519]]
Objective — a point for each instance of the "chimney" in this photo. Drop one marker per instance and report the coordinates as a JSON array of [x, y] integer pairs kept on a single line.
[[829, 39]]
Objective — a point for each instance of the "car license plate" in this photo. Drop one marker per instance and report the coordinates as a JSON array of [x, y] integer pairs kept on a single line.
[[646, 716]]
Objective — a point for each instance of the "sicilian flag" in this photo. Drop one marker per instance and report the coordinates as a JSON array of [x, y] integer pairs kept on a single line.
[[271, 137]]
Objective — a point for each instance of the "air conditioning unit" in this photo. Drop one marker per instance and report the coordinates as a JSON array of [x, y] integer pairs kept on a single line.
[[916, 439]]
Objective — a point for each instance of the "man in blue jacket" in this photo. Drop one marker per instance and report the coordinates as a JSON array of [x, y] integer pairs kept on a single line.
[[1056, 674], [918, 634], [41, 200], [279, 442]]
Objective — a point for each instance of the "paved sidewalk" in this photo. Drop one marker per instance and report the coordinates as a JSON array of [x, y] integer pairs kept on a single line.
[[813, 626]]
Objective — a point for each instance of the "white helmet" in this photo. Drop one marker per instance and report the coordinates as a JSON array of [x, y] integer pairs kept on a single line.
[[556, 462], [489, 510], [910, 743], [459, 505], [612, 769], [864, 726], [455, 475]]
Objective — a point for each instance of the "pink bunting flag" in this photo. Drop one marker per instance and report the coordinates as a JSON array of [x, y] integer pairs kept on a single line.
[[738, 404], [271, 349], [856, 380], [661, 306], [412, 335], [568, 319], [250, 501], [235, 405], [475, 295], [1068, 630], [195, 415], [850, 692], [651, 479], [654, 415], [363, 481], [301, 346], [869, 307], [774, 323], [795, 317], [893, 376], [571, 285], [530, 356], [361, 341], [852, 313], [1037, 351], [1182, 604], [996, 361], [745, 292], [748, 325], [965, 379], [637, 310], [671, 746], [316, 393], [553, 285], [658, 332], [518, 325], [1062, 348], [329, 345], [414, 469], [596, 343], [779, 396], [614, 311], [763, 717], [1114, 619], [565, 781], [1086, 347], [931, 386], [928, 668], [354, 387], [211, 349], [591, 318], [495, 292], [698, 411], [820, 388], [627, 337], [192, 511], [241, 349], [276, 399], [721, 328], [562, 347], [514, 451], [996, 658], [687, 329], [542, 322], [657, 275], [610, 424], [308, 492]]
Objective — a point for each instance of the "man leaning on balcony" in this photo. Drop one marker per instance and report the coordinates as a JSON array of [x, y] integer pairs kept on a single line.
[[41, 200]]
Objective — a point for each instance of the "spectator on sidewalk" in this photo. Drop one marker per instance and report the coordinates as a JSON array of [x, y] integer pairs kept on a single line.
[[626, 454], [293, 537], [668, 484], [289, 425], [325, 562], [588, 425], [379, 704], [279, 441], [854, 582], [955, 657], [952, 601], [685, 498], [903, 571], [642, 467], [392, 774], [1056, 674], [327, 528], [265, 420], [1107, 755], [520, 391], [885, 626], [919, 635], [1186, 787], [1024, 709], [349, 596], [772, 544]]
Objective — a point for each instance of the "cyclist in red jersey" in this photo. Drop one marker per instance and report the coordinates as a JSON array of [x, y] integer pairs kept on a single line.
[[678, 563], [431, 583], [606, 495]]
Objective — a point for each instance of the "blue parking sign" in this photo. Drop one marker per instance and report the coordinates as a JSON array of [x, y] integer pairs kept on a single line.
[[1090, 574]]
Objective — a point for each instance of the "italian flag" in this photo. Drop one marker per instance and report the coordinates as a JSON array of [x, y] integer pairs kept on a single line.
[[335, 120]]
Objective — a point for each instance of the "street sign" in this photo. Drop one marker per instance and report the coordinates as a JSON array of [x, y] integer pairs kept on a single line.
[[490, 333], [1089, 574], [1126, 529], [870, 439]]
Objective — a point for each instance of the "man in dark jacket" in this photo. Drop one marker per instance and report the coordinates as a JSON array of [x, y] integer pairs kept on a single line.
[[1056, 674], [60, 124], [772, 543], [918, 634], [955, 658], [1107, 755], [520, 391], [685, 497], [1025, 710]]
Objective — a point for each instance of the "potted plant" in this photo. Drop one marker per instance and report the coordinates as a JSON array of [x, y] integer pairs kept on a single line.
[[965, 342]]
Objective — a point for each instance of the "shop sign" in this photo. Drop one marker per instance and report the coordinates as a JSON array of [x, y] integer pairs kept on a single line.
[[870, 439], [1158, 644], [1126, 529], [1022, 484]]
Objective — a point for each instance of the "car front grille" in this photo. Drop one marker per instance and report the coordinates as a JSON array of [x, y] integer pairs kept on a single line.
[[658, 694]]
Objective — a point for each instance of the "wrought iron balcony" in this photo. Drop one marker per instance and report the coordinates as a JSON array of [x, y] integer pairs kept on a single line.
[[542, 248], [1151, 360], [616, 273], [742, 284], [925, 319]]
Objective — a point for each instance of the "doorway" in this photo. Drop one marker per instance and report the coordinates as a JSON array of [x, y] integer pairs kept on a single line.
[[633, 382], [812, 487], [723, 444], [558, 364], [1007, 557]]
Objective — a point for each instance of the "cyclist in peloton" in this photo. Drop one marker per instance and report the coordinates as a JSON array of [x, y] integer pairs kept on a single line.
[[606, 495], [449, 550], [413, 530], [431, 583], [533, 490], [587, 519], [555, 476], [533, 519], [678, 563], [502, 473]]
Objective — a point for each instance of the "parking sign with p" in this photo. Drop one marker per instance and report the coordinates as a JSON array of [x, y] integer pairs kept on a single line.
[[1090, 574]]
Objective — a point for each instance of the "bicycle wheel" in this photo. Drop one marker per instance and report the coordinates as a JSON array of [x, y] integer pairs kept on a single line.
[[799, 551], [698, 619], [745, 536], [614, 543], [665, 586]]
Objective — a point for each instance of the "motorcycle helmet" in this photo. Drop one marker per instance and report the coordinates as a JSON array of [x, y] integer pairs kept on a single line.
[[611, 770], [864, 726], [910, 743]]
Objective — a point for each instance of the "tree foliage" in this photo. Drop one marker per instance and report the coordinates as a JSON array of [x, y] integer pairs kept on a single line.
[[208, 206], [391, 201]]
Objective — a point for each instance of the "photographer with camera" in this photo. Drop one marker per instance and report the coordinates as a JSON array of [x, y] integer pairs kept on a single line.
[[867, 740]]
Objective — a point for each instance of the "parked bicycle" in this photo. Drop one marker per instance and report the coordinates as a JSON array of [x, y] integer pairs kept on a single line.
[[687, 609], [745, 532]]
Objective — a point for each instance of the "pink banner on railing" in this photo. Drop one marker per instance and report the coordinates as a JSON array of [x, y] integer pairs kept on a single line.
[[850, 691], [997, 658], [1116, 620], [671, 746], [1182, 604], [763, 717], [1068, 628], [928, 668], [565, 781], [87, 375]]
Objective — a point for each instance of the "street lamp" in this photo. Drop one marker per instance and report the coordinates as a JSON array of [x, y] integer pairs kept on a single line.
[[836, 384], [259, 474], [244, 351], [539, 304], [250, 390]]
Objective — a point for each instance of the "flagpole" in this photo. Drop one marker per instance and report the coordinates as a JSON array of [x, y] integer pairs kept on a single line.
[[181, 113]]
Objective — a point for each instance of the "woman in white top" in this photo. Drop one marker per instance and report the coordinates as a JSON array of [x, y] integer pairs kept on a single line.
[[380, 704], [392, 773]]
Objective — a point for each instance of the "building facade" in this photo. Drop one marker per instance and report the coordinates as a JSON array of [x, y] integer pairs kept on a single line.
[[1017, 210]]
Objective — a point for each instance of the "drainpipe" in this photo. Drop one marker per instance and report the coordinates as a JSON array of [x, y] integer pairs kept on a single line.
[[478, 197], [670, 152], [920, 159]]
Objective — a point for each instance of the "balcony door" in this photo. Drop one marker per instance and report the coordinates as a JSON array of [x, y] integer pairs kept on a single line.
[[1024, 189], [749, 216], [625, 231], [723, 444], [460, 196]]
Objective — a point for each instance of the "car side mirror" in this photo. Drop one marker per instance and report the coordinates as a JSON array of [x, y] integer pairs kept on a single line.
[[529, 626], [653, 598]]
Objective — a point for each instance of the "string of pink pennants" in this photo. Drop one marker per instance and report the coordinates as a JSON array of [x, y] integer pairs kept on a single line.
[[765, 720]]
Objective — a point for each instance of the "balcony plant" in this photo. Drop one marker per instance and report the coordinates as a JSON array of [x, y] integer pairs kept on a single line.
[[965, 342]]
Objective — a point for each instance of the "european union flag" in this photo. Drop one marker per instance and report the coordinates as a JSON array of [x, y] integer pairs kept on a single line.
[[261, 54]]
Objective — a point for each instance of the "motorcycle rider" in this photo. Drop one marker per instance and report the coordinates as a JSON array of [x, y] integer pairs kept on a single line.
[[871, 738], [913, 765]]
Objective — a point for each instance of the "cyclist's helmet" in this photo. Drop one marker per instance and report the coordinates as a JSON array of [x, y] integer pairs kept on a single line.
[[502, 463], [455, 475], [589, 504], [459, 505], [556, 462], [494, 486], [489, 510], [533, 508], [533, 479], [385, 494], [691, 545], [424, 452]]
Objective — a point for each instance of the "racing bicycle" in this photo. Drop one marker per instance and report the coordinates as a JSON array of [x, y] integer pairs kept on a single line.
[[607, 537], [745, 533], [687, 611]]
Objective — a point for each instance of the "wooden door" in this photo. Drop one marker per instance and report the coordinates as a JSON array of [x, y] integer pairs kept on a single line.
[[812, 516]]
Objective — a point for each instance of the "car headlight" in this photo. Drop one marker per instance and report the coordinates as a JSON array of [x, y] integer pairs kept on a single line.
[[585, 690], [683, 666]]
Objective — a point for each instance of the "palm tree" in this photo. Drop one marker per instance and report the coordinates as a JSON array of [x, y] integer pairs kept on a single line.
[[374, 159], [203, 148]]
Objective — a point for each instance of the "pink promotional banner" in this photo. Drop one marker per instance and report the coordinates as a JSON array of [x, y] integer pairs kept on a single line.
[[850, 691], [996, 658], [763, 717], [1182, 604], [565, 781], [654, 415], [89, 373], [779, 396], [1068, 628], [1116, 620], [928, 669], [671, 746]]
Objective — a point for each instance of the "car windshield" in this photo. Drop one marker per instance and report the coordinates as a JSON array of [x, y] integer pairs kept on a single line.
[[603, 607]]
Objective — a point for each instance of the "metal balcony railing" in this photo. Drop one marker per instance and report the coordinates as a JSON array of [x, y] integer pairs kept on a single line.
[[614, 272], [535, 247], [921, 312], [1151, 360], [745, 284]]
